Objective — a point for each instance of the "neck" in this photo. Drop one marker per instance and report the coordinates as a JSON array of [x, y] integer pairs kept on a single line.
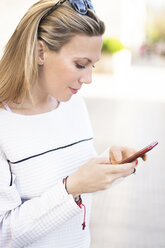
[[36, 103]]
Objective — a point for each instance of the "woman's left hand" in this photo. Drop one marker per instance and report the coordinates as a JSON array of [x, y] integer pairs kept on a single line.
[[119, 153]]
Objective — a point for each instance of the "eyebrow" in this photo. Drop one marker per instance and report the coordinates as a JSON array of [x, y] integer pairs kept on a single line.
[[89, 60]]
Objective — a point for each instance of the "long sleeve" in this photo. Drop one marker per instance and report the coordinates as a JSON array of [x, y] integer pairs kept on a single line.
[[39, 151], [23, 223]]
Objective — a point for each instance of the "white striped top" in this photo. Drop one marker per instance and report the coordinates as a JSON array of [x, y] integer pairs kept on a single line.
[[36, 153]]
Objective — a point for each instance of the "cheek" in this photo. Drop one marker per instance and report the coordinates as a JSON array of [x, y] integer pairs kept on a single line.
[[61, 73], [67, 75]]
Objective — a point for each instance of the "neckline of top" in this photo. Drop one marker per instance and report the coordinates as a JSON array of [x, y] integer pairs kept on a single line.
[[32, 115]]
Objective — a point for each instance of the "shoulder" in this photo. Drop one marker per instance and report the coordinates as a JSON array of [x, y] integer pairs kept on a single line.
[[7, 121], [3, 115]]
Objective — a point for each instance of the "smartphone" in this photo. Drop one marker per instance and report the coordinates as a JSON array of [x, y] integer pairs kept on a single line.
[[139, 153]]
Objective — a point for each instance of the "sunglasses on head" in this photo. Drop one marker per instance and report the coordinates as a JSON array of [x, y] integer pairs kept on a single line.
[[81, 6]]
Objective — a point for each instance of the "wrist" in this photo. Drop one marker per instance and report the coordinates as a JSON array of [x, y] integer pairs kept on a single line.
[[78, 201], [72, 186]]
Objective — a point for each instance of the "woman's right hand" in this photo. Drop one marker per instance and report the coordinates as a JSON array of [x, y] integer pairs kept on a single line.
[[97, 174]]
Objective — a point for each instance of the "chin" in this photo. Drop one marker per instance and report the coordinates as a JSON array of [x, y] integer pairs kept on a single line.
[[64, 98]]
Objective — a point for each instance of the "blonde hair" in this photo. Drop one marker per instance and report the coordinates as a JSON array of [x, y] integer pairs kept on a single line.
[[18, 66]]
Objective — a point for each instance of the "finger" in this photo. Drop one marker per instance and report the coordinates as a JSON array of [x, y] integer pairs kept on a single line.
[[102, 160], [120, 168], [127, 152], [115, 154], [128, 173], [144, 157], [122, 174]]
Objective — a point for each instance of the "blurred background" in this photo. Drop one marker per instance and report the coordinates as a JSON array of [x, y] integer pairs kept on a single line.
[[126, 104]]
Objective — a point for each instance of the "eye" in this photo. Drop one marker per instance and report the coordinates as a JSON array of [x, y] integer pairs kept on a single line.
[[79, 66]]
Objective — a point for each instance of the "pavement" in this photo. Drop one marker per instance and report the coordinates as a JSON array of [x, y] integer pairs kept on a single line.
[[128, 108]]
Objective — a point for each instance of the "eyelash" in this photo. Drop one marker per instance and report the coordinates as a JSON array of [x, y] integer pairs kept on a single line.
[[82, 66]]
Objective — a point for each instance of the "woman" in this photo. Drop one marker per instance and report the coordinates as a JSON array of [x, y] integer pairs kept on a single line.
[[48, 166]]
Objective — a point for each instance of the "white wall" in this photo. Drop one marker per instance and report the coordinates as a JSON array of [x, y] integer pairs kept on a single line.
[[10, 14], [124, 19]]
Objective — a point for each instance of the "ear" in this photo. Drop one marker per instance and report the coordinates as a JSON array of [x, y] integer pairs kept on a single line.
[[41, 52]]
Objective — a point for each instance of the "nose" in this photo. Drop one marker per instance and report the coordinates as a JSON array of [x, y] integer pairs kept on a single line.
[[86, 78]]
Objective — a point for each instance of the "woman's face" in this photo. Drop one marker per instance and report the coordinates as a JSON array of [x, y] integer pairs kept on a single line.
[[63, 73]]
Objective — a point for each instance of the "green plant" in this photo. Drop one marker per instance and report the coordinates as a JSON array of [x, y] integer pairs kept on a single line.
[[111, 45]]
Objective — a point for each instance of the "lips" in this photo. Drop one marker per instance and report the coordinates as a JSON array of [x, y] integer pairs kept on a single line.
[[74, 91]]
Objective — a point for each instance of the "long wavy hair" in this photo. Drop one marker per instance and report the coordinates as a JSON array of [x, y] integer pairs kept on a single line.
[[19, 66]]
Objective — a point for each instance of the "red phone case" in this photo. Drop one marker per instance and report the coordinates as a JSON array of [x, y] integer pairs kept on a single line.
[[139, 153]]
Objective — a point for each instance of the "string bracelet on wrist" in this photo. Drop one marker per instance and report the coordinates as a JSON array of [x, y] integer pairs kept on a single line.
[[78, 201]]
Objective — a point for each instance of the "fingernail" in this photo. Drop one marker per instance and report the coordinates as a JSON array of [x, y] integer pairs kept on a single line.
[[136, 162]]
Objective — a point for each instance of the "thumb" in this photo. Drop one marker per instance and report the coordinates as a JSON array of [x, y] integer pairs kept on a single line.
[[115, 154]]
